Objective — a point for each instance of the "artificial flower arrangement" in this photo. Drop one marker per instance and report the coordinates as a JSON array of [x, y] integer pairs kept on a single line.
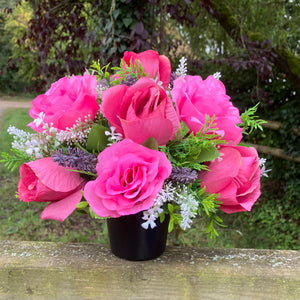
[[138, 138]]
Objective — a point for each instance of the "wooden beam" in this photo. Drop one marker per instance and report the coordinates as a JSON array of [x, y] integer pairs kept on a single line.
[[274, 152], [273, 125], [43, 270]]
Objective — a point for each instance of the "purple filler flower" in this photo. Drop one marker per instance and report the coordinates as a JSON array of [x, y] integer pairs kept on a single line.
[[183, 175], [130, 80], [76, 158]]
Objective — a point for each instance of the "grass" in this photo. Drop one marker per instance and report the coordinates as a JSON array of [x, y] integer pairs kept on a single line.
[[264, 227], [21, 221]]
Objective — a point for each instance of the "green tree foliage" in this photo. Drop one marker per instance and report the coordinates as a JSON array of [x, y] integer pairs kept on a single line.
[[12, 26]]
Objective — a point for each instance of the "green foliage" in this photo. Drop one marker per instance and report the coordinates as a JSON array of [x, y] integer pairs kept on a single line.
[[93, 215], [14, 160], [82, 205], [250, 121], [135, 70], [19, 117], [175, 216], [100, 72], [209, 206], [11, 27], [97, 140], [151, 143], [189, 150], [16, 26]]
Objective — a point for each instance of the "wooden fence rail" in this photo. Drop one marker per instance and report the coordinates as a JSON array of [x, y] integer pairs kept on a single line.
[[277, 152], [43, 270]]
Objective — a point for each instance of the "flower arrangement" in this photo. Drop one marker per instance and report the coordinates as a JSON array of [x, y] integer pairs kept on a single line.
[[138, 138]]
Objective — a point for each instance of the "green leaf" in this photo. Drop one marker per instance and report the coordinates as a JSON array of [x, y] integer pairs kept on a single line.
[[162, 217], [208, 154], [171, 226], [184, 129], [170, 208], [151, 143], [250, 121], [97, 140], [243, 144], [93, 215], [127, 21], [14, 160], [82, 205]]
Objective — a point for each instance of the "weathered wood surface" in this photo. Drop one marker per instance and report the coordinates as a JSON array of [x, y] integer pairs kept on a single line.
[[40, 270]]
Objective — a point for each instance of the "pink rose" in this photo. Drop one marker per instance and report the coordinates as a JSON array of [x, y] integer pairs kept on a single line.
[[155, 65], [43, 180], [66, 101], [129, 179], [141, 111], [235, 175], [195, 98]]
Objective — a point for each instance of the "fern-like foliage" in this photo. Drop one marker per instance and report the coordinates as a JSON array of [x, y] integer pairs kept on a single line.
[[14, 160], [100, 72], [191, 151], [250, 121], [135, 70], [209, 205]]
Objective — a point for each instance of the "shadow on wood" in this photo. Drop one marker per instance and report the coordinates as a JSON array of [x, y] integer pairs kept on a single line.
[[42, 270]]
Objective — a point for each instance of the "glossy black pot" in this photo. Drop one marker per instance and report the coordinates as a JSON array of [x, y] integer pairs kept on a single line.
[[129, 240]]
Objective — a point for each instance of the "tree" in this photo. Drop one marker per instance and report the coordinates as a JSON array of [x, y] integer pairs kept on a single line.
[[286, 61]]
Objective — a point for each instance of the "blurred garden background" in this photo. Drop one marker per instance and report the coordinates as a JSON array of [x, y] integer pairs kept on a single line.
[[254, 44]]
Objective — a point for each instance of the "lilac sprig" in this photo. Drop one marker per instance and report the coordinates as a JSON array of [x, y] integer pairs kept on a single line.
[[76, 158], [130, 80], [183, 175], [174, 76]]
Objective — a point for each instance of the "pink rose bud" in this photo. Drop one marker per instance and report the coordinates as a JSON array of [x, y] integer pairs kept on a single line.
[[141, 111], [43, 180], [153, 64]]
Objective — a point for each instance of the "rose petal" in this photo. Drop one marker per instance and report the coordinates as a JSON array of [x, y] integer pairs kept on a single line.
[[140, 130], [60, 210], [111, 101], [55, 177]]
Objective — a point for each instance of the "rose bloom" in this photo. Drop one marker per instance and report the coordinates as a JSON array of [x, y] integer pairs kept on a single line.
[[67, 100], [43, 180], [129, 178], [153, 64], [195, 98], [141, 111], [235, 175]]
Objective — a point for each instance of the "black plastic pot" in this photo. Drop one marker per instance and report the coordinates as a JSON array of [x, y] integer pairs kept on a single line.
[[129, 240]]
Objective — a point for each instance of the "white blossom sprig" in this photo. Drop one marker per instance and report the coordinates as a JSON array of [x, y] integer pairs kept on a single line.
[[113, 136], [76, 134], [182, 67], [178, 194], [29, 143], [264, 172], [217, 75]]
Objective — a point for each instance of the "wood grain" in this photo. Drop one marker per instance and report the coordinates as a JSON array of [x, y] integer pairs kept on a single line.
[[41, 270]]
